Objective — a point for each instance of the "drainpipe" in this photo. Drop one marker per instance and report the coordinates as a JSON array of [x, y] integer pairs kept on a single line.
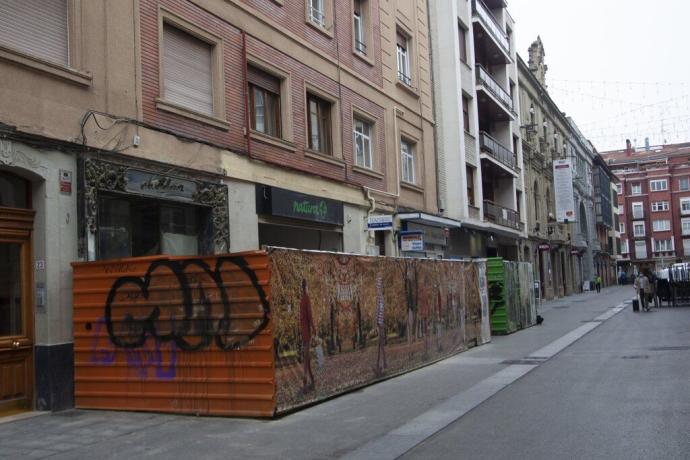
[[245, 71]]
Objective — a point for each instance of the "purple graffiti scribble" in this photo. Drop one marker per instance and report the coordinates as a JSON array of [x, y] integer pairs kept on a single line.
[[143, 360], [101, 355]]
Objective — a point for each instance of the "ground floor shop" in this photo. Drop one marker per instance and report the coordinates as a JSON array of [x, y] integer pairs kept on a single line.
[[557, 268]]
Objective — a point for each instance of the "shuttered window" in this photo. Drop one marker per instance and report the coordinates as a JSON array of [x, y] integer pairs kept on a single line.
[[187, 70], [36, 27], [264, 102]]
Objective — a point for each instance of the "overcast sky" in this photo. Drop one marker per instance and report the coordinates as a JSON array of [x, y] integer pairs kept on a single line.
[[620, 68]]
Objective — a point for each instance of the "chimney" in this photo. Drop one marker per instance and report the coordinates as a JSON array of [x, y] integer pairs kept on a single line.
[[628, 148], [646, 144]]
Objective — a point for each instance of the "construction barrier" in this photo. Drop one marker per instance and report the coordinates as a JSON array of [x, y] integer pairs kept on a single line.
[[262, 333], [511, 295]]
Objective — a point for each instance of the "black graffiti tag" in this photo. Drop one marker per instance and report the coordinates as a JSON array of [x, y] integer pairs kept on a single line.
[[186, 302]]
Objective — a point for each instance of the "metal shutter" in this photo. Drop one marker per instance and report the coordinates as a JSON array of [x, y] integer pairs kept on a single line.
[[187, 70], [263, 79], [36, 27]]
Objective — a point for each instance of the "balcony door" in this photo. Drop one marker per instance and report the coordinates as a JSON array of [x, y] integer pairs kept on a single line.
[[16, 315]]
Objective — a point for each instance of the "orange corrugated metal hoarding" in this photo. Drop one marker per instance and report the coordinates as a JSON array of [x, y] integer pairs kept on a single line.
[[173, 334]]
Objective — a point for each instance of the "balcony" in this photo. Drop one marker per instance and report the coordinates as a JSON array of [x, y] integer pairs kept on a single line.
[[489, 22], [502, 216], [557, 232], [497, 151], [473, 212], [503, 101]]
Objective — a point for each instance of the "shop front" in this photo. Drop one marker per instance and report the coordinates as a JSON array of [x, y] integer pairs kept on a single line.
[[133, 211], [296, 220], [424, 235]]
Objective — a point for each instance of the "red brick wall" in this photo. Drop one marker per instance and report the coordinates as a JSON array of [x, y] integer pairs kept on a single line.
[[291, 16]]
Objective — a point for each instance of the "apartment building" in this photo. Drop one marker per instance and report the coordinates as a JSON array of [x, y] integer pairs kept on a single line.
[[479, 156], [654, 205], [199, 127], [604, 245]]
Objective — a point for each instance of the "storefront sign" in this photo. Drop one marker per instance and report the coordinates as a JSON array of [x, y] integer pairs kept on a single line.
[[412, 241], [544, 247], [432, 235], [159, 186], [285, 203], [65, 182], [383, 222], [563, 184]]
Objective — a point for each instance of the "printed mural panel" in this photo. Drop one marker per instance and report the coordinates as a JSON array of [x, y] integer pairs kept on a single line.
[[341, 321]]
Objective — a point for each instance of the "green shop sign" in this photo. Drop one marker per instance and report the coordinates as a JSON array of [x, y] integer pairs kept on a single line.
[[285, 203]]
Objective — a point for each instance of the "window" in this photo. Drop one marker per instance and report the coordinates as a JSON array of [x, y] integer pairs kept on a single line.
[[661, 225], [638, 229], [685, 226], [640, 249], [407, 157], [622, 227], [462, 39], [469, 172], [665, 245], [264, 102], [360, 27], [362, 138], [466, 113], [636, 189], [319, 124], [404, 74], [685, 206], [686, 247], [659, 206], [187, 70], [637, 211], [619, 188], [684, 184], [39, 28], [658, 185], [317, 12], [624, 247]]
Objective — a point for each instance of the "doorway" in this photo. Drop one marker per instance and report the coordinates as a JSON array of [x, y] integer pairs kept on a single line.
[[16, 312]]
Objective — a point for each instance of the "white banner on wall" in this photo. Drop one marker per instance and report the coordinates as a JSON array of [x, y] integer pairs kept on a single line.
[[563, 184]]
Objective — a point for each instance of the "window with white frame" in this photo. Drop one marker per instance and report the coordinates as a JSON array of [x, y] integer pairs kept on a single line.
[[685, 226], [362, 132], [39, 28], [662, 225], [403, 52], [625, 249], [407, 157], [619, 188], [664, 245], [637, 210], [641, 249], [658, 185], [317, 12], [638, 229], [684, 184], [659, 206], [686, 247], [636, 189], [622, 227], [685, 206], [360, 26]]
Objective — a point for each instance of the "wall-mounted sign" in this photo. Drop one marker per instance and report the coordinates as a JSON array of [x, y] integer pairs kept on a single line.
[[432, 235], [563, 188], [285, 203], [544, 247], [159, 186], [412, 241], [381, 222], [65, 182]]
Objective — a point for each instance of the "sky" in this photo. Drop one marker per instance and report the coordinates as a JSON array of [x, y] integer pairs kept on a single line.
[[620, 68]]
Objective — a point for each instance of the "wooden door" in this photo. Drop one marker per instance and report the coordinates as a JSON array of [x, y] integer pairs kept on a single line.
[[16, 312]]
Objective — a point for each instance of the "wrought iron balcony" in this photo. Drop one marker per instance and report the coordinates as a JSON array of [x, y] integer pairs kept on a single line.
[[490, 23], [502, 216], [485, 79], [497, 150]]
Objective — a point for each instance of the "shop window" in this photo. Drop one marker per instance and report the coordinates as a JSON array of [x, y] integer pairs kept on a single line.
[[403, 53], [408, 161], [144, 227], [362, 133], [14, 191], [264, 102], [319, 124]]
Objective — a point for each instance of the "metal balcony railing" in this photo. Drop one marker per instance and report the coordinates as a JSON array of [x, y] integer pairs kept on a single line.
[[485, 79], [491, 24], [473, 212], [502, 216], [497, 150]]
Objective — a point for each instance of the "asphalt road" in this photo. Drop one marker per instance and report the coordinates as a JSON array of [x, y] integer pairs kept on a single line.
[[620, 392]]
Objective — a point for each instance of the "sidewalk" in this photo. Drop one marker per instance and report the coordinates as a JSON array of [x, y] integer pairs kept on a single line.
[[382, 420]]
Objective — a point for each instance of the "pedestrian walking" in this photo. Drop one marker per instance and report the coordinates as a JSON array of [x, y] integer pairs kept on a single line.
[[306, 321], [641, 284], [598, 283], [649, 291]]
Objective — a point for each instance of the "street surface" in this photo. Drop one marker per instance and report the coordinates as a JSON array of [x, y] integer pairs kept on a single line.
[[594, 381]]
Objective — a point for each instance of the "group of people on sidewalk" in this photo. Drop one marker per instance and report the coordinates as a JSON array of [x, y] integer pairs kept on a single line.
[[645, 288]]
